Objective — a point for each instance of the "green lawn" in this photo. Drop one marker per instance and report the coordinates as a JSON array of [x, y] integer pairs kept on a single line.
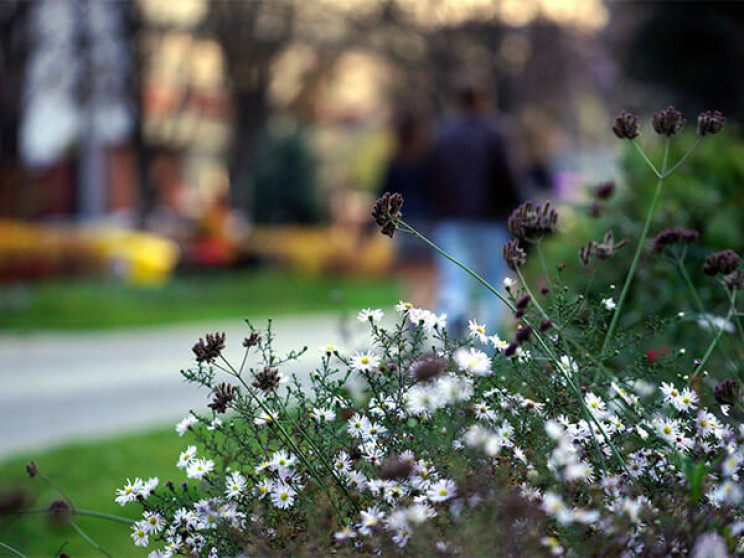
[[89, 474], [203, 296]]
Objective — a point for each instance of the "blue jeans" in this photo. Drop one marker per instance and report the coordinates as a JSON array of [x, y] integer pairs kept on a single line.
[[477, 244]]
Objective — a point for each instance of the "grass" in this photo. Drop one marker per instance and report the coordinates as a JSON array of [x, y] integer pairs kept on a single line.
[[81, 305], [89, 474]]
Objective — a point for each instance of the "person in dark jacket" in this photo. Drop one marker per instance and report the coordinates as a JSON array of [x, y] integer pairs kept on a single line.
[[473, 190]]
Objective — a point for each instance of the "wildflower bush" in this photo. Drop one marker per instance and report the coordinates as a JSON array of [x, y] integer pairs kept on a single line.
[[560, 439]]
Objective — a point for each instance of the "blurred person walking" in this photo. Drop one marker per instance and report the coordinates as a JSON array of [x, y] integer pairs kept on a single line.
[[406, 174], [473, 190]]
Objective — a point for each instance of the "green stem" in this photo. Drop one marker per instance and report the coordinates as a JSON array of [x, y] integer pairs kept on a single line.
[[683, 159], [459, 264], [12, 550], [90, 541], [540, 309], [714, 342], [639, 249], [648, 161]]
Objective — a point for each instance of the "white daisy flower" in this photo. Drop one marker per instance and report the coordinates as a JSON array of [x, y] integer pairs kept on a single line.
[[344, 534], [199, 468], [498, 343], [328, 350], [509, 283], [686, 401], [483, 412], [262, 419], [441, 490], [234, 485], [373, 430], [263, 488], [364, 362], [152, 522], [323, 415], [473, 361], [357, 425], [129, 492], [403, 307], [185, 423], [282, 460], [478, 331], [434, 322], [342, 463], [139, 535], [609, 304], [282, 496], [186, 456], [371, 518], [368, 314], [595, 405]]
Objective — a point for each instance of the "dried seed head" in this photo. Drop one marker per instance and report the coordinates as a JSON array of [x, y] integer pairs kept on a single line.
[[523, 334], [428, 368], [532, 222], [224, 394], [604, 190], [32, 469], [667, 237], [668, 122], [626, 126], [545, 325], [513, 255], [211, 349], [710, 123], [60, 510], [601, 250], [252, 340], [394, 468], [724, 262], [522, 303], [268, 379], [386, 212], [511, 349], [727, 392]]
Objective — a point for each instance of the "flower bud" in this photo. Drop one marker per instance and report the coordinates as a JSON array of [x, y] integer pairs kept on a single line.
[[668, 122], [626, 126], [710, 123]]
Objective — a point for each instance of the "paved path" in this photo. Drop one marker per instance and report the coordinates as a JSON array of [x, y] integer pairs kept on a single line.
[[56, 388]]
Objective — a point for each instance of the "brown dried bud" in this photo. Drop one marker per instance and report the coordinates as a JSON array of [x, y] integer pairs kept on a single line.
[[386, 212], [252, 340], [268, 379], [32, 469], [604, 190], [523, 334], [513, 255], [211, 349], [428, 368], [668, 122], [601, 250], [60, 510], [724, 262], [727, 392], [545, 325], [522, 303], [532, 222], [511, 349], [12, 502], [667, 237], [710, 123], [626, 126], [224, 394], [394, 468]]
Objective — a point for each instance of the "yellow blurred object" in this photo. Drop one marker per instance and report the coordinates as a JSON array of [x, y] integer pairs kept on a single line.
[[30, 250], [141, 258], [318, 250]]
